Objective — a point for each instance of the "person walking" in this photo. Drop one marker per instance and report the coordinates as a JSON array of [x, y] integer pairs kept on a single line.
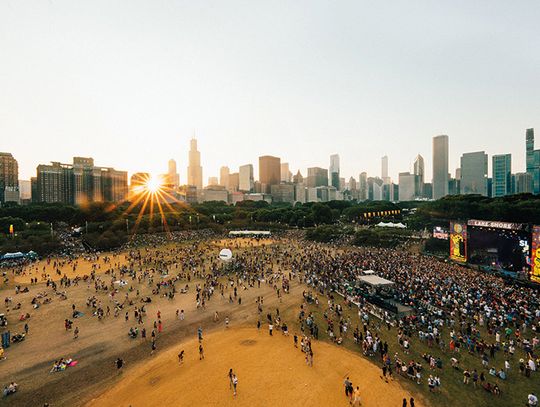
[[231, 373], [76, 333], [201, 352], [119, 364], [234, 383]]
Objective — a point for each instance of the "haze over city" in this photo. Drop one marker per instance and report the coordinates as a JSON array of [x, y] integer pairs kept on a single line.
[[128, 83]]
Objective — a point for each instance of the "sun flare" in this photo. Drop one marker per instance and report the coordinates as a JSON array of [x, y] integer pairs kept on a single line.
[[154, 184]]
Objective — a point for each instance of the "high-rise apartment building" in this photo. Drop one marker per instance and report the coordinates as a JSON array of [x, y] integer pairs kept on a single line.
[[502, 175], [9, 178], [194, 170], [246, 180], [474, 173], [317, 177], [269, 172], [334, 171], [79, 183], [440, 166]]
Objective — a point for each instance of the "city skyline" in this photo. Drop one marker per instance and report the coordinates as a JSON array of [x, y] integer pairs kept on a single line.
[[329, 80]]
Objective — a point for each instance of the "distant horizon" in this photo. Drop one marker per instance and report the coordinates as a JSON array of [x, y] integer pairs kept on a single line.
[[128, 83]]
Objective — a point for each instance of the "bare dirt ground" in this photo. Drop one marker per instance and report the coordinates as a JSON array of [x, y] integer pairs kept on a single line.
[[269, 369], [271, 372]]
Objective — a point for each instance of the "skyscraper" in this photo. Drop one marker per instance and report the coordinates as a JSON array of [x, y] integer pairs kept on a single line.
[[173, 178], [419, 171], [224, 177], [246, 178], [474, 173], [440, 166], [79, 183], [194, 170], [363, 186], [269, 172], [533, 161], [213, 181], [334, 171], [285, 173], [384, 169], [9, 178], [317, 177], [407, 186], [502, 175]]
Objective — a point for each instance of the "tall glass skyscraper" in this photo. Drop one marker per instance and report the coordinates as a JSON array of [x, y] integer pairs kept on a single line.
[[334, 171], [533, 161], [502, 175], [440, 166], [474, 171]]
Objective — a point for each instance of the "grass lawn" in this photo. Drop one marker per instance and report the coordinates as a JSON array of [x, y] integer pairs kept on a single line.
[[453, 392]]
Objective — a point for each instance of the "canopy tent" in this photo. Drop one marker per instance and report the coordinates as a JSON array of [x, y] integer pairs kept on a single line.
[[15, 255], [249, 233], [375, 281], [398, 225]]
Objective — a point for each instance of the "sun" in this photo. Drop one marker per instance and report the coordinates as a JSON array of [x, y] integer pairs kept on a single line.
[[154, 184]]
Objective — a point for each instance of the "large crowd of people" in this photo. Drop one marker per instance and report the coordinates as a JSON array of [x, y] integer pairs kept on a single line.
[[453, 309]]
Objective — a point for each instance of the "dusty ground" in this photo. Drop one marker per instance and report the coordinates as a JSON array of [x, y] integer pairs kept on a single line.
[[269, 369], [271, 372]]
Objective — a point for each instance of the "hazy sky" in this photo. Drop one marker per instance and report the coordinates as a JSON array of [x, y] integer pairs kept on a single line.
[[128, 82]]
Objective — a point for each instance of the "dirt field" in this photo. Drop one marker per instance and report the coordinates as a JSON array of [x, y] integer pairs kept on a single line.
[[271, 372], [83, 267]]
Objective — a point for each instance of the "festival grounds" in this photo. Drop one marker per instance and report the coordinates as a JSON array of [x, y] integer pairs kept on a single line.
[[271, 371]]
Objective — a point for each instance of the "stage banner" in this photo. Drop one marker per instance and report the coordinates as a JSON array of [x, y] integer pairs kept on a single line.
[[458, 242], [535, 254]]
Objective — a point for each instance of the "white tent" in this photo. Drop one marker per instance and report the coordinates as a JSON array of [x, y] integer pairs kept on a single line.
[[391, 225], [375, 281]]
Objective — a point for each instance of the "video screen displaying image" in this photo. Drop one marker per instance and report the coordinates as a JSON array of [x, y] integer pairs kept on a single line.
[[499, 248]]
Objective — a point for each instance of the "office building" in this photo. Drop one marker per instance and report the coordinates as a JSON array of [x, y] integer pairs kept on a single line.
[[440, 166], [334, 171], [317, 177], [246, 181], [419, 171], [172, 178], [408, 186], [283, 193], [194, 170], [224, 177], [286, 174], [215, 192], [384, 169], [269, 172], [25, 190], [523, 183], [352, 184], [532, 161], [9, 179], [298, 178], [213, 181], [363, 186], [234, 182], [502, 175], [474, 173]]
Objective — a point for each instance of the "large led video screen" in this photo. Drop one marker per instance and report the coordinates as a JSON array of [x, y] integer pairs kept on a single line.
[[502, 249]]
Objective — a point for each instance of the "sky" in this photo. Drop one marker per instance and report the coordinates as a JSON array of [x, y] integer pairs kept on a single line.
[[129, 82]]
